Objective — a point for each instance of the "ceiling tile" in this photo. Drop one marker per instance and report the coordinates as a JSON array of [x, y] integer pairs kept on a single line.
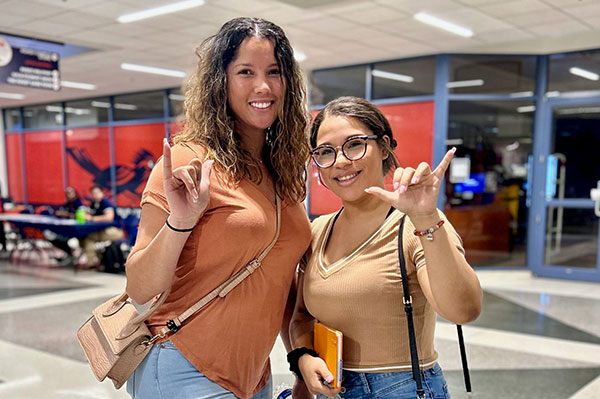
[[538, 17], [515, 7], [38, 10], [558, 29], [8, 20], [584, 11], [507, 35]]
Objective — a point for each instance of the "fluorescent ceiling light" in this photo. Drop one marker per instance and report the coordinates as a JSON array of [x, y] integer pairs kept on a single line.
[[526, 108], [154, 70], [393, 76], [77, 85], [584, 74], [12, 96], [156, 11], [100, 104], [54, 108], [299, 56], [128, 107], [580, 110], [465, 83], [521, 94], [176, 97], [441, 24]]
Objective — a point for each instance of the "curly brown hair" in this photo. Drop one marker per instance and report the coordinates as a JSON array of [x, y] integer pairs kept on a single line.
[[209, 120]]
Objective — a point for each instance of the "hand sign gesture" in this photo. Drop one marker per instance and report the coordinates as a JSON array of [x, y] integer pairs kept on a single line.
[[186, 188], [415, 191]]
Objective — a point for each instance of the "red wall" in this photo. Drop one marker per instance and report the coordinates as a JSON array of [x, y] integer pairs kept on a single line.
[[13, 163], [412, 125], [44, 165], [137, 147], [88, 160]]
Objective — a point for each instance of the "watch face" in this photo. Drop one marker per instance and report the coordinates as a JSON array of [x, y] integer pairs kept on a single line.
[[6, 53]]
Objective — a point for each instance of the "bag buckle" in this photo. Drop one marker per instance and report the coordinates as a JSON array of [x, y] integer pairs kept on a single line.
[[151, 341]]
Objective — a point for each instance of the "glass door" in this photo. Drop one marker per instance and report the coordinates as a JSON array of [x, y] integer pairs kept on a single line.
[[567, 240]]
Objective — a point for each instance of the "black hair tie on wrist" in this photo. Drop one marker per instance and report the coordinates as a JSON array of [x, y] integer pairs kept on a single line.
[[178, 230], [295, 355]]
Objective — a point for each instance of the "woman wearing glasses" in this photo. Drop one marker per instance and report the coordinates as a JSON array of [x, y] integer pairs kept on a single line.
[[350, 279]]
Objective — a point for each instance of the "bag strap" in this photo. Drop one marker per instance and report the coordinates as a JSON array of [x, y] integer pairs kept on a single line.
[[222, 290], [407, 300]]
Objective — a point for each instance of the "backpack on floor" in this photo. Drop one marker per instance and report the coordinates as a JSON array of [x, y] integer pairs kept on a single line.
[[113, 259]]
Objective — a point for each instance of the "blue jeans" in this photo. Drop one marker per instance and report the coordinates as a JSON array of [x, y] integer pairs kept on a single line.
[[395, 385], [166, 374]]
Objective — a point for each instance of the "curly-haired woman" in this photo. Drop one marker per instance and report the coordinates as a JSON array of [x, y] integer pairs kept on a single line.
[[210, 207]]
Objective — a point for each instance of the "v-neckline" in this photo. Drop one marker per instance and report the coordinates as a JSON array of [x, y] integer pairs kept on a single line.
[[340, 263]]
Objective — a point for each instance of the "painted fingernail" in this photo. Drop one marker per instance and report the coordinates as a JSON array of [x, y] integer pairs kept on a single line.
[[402, 189], [414, 180], [329, 378], [453, 149], [396, 184]]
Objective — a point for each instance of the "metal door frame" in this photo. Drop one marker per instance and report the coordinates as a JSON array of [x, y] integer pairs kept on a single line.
[[539, 204]]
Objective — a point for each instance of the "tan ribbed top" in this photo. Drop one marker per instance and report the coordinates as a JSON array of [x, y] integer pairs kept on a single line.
[[361, 295]]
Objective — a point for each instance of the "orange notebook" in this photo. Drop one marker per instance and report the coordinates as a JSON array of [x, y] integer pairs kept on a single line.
[[328, 344]]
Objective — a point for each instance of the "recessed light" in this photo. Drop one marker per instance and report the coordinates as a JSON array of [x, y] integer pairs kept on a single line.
[[156, 11], [12, 96], [465, 83], [441, 24], [77, 85], [154, 70], [392, 76], [584, 74]]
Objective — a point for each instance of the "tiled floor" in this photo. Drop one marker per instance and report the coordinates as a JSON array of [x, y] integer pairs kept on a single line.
[[536, 338]]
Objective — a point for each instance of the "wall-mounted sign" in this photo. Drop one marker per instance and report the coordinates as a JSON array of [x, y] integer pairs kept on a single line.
[[28, 67]]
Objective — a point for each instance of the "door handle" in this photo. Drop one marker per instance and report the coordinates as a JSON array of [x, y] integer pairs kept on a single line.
[[595, 196]]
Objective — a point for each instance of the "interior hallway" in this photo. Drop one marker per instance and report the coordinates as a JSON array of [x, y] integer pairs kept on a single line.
[[536, 338]]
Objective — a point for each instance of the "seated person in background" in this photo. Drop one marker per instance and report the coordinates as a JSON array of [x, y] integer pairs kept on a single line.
[[100, 210], [73, 203], [66, 211]]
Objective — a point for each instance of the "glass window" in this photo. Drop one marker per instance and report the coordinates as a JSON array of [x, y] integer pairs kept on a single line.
[[488, 178], [87, 112], [329, 84], [575, 243], [12, 119], [403, 78], [148, 105], [574, 72], [575, 144], [43, 116], [176, 98], [492, 75]]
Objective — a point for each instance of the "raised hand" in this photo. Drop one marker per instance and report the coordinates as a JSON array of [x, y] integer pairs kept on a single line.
[[186, 188], [415, 190]]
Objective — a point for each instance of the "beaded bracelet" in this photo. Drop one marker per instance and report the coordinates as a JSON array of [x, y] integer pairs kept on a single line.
[[429, 232], [178, 230]]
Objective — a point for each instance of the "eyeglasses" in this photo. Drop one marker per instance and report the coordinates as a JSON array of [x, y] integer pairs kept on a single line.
[[354, 148]]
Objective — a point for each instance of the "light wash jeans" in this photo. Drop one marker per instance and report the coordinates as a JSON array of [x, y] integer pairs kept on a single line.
[[395, 385], [166, 374]]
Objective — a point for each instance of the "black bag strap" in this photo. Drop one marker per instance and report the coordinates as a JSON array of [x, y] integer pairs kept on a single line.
[[407, 300]]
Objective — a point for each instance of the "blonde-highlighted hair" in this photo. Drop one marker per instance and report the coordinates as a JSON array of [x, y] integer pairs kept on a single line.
[[209, 121]]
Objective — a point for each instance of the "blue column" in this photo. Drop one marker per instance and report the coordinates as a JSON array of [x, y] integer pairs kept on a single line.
[[440, 122]]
